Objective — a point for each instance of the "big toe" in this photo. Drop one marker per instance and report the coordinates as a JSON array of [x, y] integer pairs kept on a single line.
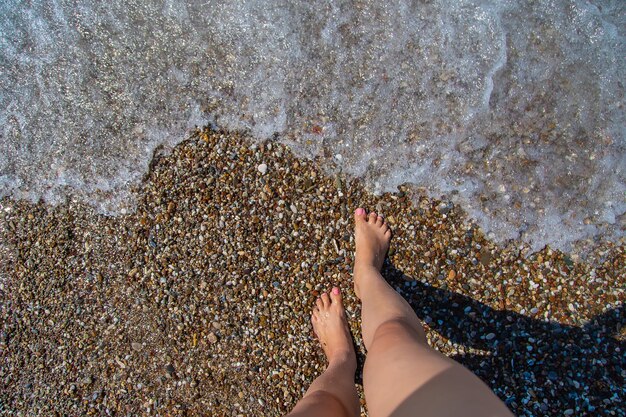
[[335, 296], [360, 214]]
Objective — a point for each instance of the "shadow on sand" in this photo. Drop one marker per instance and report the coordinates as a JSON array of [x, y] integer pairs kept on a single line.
[[538, 368]]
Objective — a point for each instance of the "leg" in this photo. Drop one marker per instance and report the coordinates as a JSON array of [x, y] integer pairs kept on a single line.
[[333, 393], [402, 374], [380, 302]]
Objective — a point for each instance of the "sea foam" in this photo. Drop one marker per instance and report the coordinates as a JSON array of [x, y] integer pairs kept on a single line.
[[512, 109]]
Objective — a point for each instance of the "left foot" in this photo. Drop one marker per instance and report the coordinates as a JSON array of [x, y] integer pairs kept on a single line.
[[331, 327]]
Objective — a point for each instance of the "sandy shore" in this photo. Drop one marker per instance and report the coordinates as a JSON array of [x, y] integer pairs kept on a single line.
[[199, 302]]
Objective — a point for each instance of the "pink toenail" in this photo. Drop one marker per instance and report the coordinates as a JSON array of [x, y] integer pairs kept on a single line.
[[360, 211], [336, 291]]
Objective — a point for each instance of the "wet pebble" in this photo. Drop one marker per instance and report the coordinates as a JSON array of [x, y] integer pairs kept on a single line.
[[217, 271]]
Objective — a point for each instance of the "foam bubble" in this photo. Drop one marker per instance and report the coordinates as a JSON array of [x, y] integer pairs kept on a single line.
[[512, 109]]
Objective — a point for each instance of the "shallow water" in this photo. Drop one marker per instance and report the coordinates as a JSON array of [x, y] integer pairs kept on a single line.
[[513, 109]]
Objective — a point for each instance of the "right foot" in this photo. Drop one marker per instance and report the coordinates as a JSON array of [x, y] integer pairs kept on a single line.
[[372, 236]]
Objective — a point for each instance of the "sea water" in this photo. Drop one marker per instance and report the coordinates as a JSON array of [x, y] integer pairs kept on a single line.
[[512, 109]]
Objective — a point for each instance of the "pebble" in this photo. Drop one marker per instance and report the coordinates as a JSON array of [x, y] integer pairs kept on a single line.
[[216, 272]]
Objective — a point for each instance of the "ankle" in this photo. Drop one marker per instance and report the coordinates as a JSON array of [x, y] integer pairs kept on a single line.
[[365, 267], [343, 357]]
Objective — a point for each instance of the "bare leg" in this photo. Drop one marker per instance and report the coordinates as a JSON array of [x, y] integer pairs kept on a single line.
[[403, 376], [333, 393]]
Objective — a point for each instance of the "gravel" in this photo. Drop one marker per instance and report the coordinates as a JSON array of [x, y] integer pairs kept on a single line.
[[199, 301]]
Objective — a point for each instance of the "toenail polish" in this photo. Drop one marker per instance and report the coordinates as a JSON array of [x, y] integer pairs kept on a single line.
[[336, 291]]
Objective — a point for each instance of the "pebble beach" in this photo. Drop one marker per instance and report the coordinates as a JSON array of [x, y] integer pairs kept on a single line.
[[198, 303]]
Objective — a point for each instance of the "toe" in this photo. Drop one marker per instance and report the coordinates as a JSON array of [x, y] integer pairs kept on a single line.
[[372, 218], [325, 299], [360, 214], [380, 220], [388, 234], [319, 303], [335, 296]]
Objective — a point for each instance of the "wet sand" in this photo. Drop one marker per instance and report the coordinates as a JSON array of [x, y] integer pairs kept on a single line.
[[199, 302]]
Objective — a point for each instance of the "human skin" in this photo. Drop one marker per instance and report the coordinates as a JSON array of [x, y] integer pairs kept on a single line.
[[403, 375]]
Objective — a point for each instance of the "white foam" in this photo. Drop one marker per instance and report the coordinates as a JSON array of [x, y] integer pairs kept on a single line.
[[512, 109]]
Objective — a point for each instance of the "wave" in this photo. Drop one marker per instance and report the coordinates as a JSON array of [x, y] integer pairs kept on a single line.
[[512, 109]]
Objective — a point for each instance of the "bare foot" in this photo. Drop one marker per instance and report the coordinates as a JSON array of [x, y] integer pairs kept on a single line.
[[372, 239], [331, 327], [372, 236]]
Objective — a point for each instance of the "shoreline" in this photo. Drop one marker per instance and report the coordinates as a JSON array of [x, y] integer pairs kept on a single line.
[[200, 299]]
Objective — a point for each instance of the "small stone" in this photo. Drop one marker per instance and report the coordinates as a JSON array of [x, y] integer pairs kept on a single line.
[[443, 208], [136, 346], [452, 274], [169, 368], [485, 257], [568, 412], [293, 208], [212, 338], [490, 336], [120, 363], [262, 168]]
